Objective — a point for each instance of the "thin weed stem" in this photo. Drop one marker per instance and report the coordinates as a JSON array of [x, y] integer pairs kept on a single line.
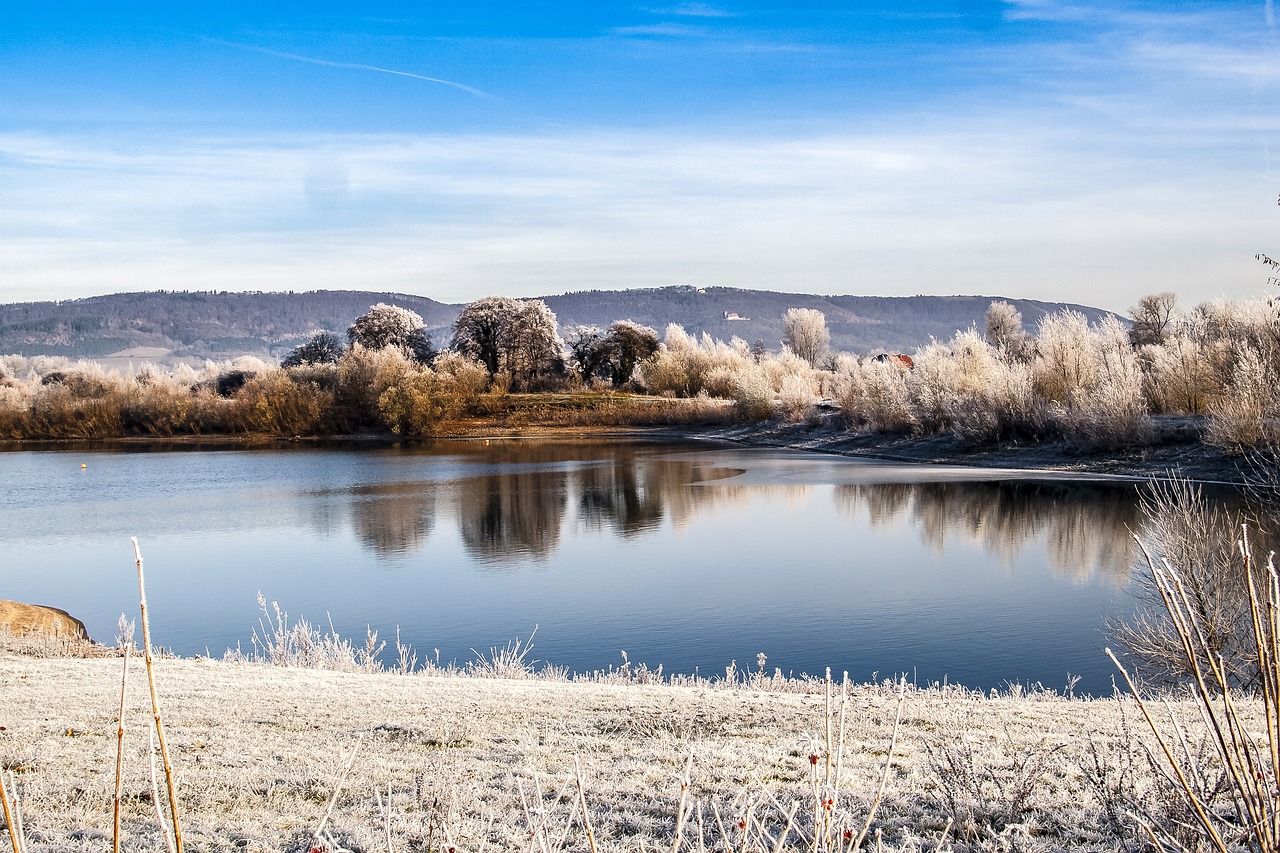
[[115, 802]]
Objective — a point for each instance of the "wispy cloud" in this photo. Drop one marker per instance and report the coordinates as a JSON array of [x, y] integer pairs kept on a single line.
[[457, 217], [664, 30], [354, 66], [692, 10]]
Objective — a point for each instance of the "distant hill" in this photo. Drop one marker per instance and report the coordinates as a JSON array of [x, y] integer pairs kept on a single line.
[[858, 324], [171, 325], [166, 326]]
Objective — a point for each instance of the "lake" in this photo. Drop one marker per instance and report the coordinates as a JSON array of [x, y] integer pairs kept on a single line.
[[690, 555]]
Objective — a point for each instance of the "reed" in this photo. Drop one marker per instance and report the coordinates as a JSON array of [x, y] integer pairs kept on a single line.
[[1247, 763], [115, 802], [12, 817], [155, 700]]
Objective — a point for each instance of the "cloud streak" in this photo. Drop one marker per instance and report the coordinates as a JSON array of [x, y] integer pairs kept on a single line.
[[354, 66]]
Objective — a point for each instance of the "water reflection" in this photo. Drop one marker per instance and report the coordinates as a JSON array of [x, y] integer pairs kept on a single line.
[[621, 495], [512, 501], [393, 519], [507, 518], [1085, 527]]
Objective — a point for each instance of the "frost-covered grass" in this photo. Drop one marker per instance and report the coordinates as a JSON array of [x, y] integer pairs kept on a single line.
[[485, 763]]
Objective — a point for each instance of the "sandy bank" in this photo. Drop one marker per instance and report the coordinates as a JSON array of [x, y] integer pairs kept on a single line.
[[256, 750]]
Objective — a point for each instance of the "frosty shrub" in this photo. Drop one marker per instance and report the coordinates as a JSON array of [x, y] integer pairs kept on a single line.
[[1002, 327], [363, 375], [968, 388], [273, 404], [752, 395], [419, 401], [783, 366], [1181, 379], [1109, 408], [873, 395], [469, 374], [1065, 364], [796, 398], [678, 368], [1247, 415], [722, 381]]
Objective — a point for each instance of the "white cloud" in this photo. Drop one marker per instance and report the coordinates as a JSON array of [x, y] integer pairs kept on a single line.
[[978, 209], [692, 10]]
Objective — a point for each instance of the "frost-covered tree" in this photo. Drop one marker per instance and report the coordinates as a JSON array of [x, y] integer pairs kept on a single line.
[[323, 348], [586, 350], [626, 344], [385, 326], [804, 330], [1002, 326], [509, 335]]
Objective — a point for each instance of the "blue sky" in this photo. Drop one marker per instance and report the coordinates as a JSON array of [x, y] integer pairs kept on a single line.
[[1078, 151]]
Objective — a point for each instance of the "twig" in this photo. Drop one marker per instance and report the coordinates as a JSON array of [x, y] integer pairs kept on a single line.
[[684, 797], [155, 700], [385, 814], [888, 763], [337, 788], [155, 791], [115, 820], [582, 801]]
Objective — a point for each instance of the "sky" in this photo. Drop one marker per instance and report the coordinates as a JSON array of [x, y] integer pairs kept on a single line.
[[1080, 151]]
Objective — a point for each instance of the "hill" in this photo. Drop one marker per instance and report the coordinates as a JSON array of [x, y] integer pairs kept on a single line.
[[858, 324], [165, 326]]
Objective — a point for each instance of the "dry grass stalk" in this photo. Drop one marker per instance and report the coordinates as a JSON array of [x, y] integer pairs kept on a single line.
[[12, 819], [115, 802], [337, 789], [384, 812], [155, 791], [884, 778], [155, 700], [1249, 770], [582, 802], [681, 808]]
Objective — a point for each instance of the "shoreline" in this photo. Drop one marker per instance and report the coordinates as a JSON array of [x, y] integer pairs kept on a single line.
[[1175, 451]]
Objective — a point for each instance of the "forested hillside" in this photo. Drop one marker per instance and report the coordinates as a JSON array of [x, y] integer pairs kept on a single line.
[[858, 324], [171, 325]]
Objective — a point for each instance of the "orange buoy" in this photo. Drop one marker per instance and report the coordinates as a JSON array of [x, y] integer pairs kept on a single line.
[[82, 465]]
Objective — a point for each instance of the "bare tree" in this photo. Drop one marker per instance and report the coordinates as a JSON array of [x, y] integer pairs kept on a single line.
[[323, 348], [385, 326], [1152, 317], [804, 330]]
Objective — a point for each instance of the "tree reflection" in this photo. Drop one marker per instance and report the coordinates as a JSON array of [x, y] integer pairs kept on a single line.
[[1086, 527], [393, 519], [507, 517], [623, 494]]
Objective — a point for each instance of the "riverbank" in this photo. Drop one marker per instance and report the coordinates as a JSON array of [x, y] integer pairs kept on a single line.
[[1175, 448], [470, 762]]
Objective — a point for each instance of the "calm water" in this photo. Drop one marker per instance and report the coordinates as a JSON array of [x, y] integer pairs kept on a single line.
[[685, 555]]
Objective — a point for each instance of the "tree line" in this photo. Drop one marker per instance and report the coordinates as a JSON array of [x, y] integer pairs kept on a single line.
[[1095, 383]]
